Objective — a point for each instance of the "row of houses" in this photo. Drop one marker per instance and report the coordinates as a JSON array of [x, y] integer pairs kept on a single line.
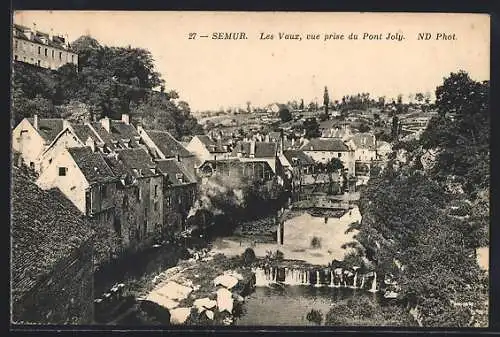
[[140, 183]]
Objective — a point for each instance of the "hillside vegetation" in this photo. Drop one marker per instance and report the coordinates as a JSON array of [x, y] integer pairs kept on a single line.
[[424, 217], [109, 81]]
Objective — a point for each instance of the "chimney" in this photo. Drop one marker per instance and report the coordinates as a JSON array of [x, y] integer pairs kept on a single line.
[[252, 149], [51, 34], [126, 118], [35, 121], [33, 31], [90, 143], [106, 124]]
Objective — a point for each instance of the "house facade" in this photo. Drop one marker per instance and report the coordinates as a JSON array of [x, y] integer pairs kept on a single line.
[[323, 150], [83, 177], [204, 148], [44, 50], [179, 193], [32, 136], [365, 146]]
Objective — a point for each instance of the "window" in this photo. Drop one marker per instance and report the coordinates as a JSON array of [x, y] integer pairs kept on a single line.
[[15, 57], [46, 51], [60, 55], [38, 63], [156, 191], [73, 58], [52, 54], [32, 165], [16, 43], [339, 154], [50, 161], [39, 50], [62, 171]]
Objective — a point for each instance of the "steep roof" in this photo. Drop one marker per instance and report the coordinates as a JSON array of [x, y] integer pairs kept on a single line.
[[330, 144], [168, 144], [45, 228], [133, 162], [39, 37], [119, 134], [92, 165], [213, 147], [48, 128], [303, 159], [364, 140], [83, 132], [171, 168], [262, 149]]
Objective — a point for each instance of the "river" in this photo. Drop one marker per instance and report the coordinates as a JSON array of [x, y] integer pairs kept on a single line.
[[289, 305]]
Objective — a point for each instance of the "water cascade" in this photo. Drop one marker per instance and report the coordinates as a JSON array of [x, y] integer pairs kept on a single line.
[[374, 283], [334, 278], [318, 283]]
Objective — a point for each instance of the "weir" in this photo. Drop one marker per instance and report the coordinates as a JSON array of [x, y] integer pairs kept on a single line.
[[335, 278]]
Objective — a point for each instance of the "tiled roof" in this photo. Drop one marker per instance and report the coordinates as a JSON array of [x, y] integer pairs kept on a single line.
[[40, 37], [213, 147], [300, 155], [364, 141], [171, 168], [48, 128], [262, 149], [83, 132], [46, 227], [168, 144], [92, 165], [118, 135], [133, 162], [317, 144]]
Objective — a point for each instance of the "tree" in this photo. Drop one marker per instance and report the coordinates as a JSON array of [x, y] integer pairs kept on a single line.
[[326, 100], [285, 114], [248, 256], [311, 127], [419, 97], [249, 109], [334, 165], [301, 107], [460, 94]]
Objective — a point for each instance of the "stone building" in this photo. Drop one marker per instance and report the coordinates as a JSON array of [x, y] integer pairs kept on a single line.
[[138, 198], [41, 49], [179, 193], [51, 257], [162, 145]]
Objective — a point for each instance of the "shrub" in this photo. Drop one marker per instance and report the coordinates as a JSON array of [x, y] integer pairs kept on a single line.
[[315, 316], [248, 256], [279, 256], [316, 242]]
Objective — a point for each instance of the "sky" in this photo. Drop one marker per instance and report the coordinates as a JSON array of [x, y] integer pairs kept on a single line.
[[211, 74]]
